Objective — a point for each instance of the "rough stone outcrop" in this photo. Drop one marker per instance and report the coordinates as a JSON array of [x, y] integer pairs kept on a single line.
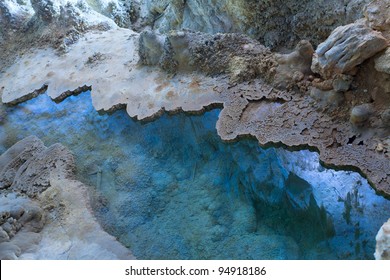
[[347, 47], [237, 55], [27, 167], [382, 63], [377, 13], [38, 23], [44, 213], [273, 23], [383, 242], [14, 15]]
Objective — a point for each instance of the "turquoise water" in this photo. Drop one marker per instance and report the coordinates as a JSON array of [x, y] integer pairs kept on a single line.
[[171, 189]]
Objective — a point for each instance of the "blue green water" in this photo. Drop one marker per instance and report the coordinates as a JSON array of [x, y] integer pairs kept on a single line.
[[171, 189]]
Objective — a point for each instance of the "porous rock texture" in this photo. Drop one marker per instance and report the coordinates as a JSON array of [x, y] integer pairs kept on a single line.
[[45, 213], [334, 99], [377, 13], [276, 24], [382, 251]]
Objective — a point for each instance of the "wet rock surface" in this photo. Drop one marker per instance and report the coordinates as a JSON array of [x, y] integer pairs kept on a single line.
[[44, 213]]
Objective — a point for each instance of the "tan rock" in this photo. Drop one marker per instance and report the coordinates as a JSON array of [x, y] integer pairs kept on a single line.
[[347, 47]]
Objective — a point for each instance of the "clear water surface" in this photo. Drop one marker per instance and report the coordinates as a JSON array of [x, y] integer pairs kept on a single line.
[[171, 189]]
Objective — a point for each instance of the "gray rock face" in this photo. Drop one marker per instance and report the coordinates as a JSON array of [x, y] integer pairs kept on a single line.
[[18, 231], [44, 213], [347, 47], [46, 10], [382, 63], [341, 83], [14, 16], [275, 23]]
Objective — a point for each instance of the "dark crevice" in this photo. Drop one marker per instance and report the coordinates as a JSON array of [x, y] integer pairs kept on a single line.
[[351, 140]]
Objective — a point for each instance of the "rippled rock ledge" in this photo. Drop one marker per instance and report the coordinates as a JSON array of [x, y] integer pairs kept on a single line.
[[333, 97]]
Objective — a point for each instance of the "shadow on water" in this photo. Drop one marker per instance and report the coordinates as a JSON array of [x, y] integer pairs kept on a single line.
[[171, 189]]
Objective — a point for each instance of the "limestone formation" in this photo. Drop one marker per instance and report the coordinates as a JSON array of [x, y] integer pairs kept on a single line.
[[273, 97], [45, 214], [27, 167], [14, 15], [276, 24], [347, 47], [237, 55], [382, 63], [377, 13], [293, 67], [383, 242], [361, 114]]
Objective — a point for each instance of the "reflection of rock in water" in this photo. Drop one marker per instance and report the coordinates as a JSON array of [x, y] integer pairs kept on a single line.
[[188, 195]]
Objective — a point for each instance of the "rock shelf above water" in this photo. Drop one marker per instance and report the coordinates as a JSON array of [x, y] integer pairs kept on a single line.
[[108, 63]]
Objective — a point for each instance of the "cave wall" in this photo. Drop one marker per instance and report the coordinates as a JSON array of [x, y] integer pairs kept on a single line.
[[276, 24]]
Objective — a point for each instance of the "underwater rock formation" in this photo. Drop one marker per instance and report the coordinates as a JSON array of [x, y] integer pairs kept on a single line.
[[45, 213]]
